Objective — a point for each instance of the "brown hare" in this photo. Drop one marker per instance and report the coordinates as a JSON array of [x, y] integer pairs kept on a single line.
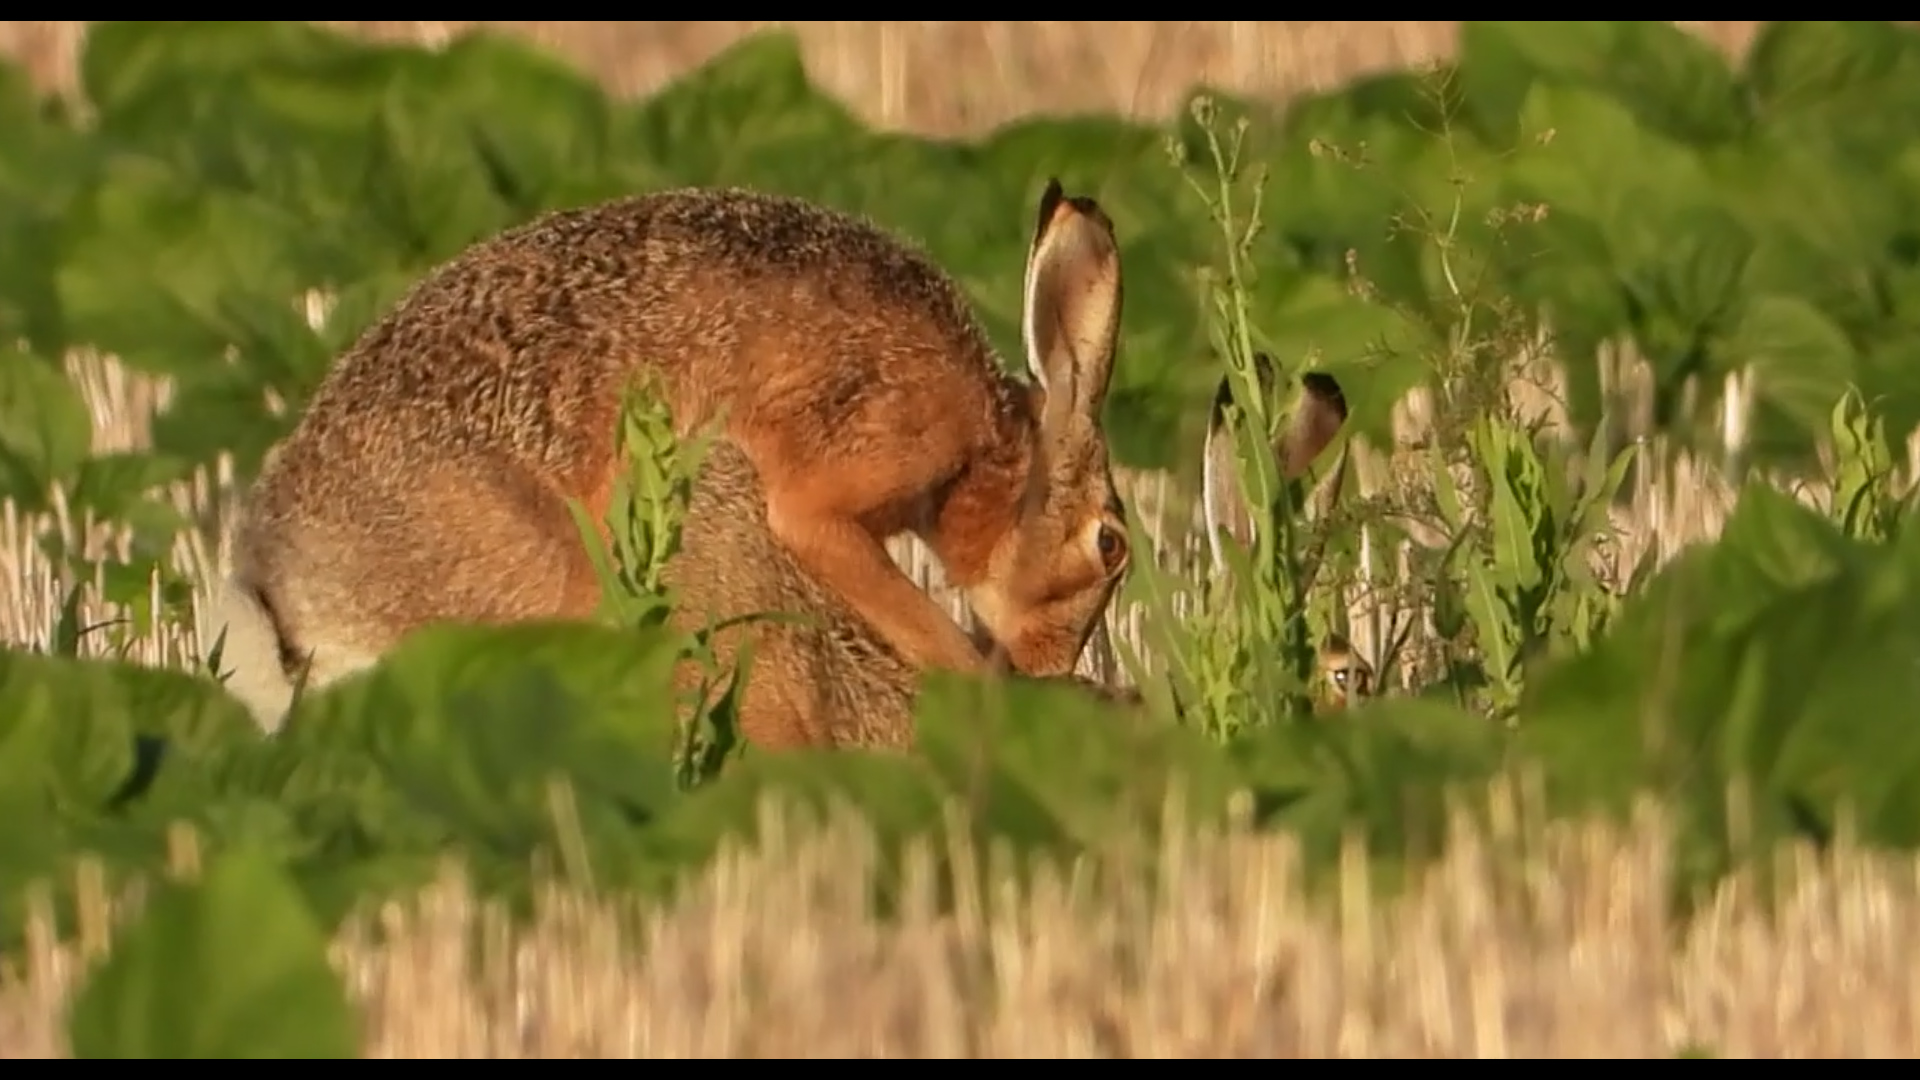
[[824, 680], [830, 680], [1318, 416], [429, 476]]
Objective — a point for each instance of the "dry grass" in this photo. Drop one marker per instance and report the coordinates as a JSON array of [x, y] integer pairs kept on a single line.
[[1530, 941]]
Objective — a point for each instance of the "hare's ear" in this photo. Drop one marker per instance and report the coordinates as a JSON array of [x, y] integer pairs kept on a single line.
[[1221, 499], [1071, 315], [1317, 418]]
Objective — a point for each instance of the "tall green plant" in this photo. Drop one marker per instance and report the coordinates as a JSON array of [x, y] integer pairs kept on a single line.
[[644, 517], [1244, 655], [1513, 508], [1868, 503]]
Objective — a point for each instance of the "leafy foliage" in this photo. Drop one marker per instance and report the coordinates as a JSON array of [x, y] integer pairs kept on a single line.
[[1720, 219], [230, 966]]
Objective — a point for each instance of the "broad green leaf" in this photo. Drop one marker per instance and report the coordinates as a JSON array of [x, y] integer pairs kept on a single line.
[[1387, 768], [1844, 86], [45, 428], [1501, 60], [474, 725], [153, 266], [427, 185], [1676, 83], [222, 413], [542, 128], [127, 65], [1801, 364], [749, 116], [1771, 543], [1672, 81], [231, 966], [1596, 160], [955, 721], [111, 483], [70, 725], [1806, 63]]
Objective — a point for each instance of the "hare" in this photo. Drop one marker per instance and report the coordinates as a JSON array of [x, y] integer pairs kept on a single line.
[[825, 679], [429, 476], [830, 680], [1316, 419]]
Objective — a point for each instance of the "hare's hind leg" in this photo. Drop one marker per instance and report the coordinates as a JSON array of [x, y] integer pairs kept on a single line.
[[489, 541], [475, 540], [334, 566]]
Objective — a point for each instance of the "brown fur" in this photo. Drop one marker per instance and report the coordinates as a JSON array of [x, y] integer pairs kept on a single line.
[[827, 681], [1313, 420], [1345, 675], [428, 478]]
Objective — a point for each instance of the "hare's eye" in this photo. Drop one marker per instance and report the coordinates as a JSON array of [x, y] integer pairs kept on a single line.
[[1113, 545]]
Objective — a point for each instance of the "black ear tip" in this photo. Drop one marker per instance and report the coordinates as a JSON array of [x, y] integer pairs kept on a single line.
[[1325, 389], [1222, 397], [1223, 394], [1050, 201]]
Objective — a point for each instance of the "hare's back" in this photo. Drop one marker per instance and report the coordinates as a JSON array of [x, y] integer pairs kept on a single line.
[[735, 298]]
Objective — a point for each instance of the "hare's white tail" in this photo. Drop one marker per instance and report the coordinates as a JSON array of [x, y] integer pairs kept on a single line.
[[249, 652]]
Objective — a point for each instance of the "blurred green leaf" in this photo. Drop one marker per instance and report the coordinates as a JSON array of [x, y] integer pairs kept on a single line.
[[46, 431], [231, 966]]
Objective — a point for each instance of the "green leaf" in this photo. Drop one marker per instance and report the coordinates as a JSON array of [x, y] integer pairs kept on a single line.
[[222, 413], [1374, 350], [1672, 81], [900, 798], [428, 185], [115, 485], [154, 266], [232, 966], [1848, 86], [471, 726], [1387, 767], [748, 116], [1801, 364], [1676, 82], [542, 128], [129, 65], [46, 430], [1598, 161], [1698, 278], [1772, 541], [68, 726], [1496, 623], [1507, 458]]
